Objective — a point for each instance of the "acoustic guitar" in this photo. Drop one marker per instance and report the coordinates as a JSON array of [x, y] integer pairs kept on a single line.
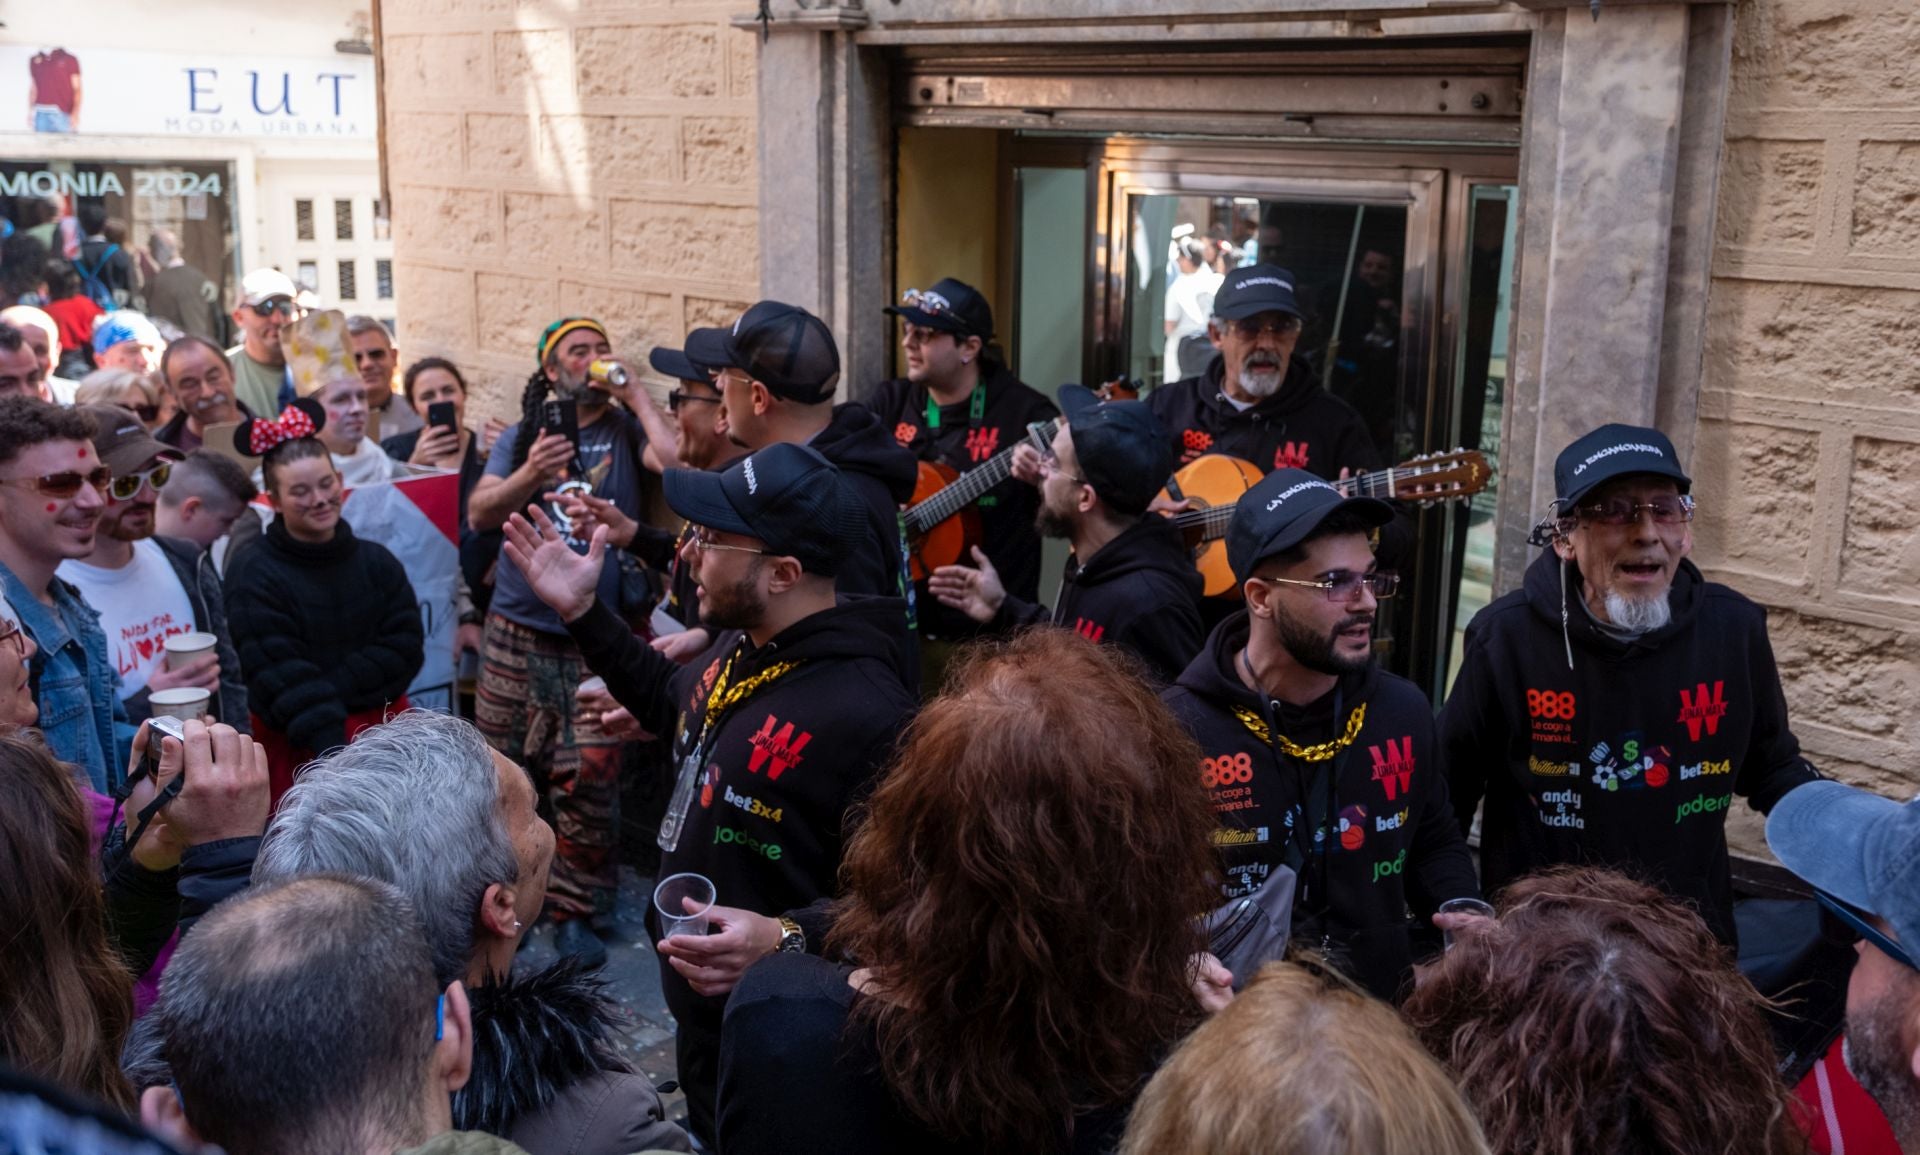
[[942, 523], [1214, 483]]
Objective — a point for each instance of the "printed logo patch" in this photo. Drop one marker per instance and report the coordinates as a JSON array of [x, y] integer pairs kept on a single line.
[[981, 444], [778, 747], [1292, 455], [904, 433], [1393, 766], [1551, 713], [1701, 710]]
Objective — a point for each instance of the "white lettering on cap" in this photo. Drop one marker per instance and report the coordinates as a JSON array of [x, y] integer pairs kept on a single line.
[[1274, 281], [753, 483], [1609, 451], [1281, 499]]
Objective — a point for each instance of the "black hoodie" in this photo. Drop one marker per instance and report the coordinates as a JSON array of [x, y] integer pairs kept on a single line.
[[1395, 841], [1006, 511], [1138, 591], [782, 766], [883, 474], [1301, 426], [1632, 757]]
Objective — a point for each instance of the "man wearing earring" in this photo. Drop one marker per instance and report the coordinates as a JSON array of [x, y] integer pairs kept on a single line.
[[1316, 759], [1611, 709], [959, 405], [148, 588]]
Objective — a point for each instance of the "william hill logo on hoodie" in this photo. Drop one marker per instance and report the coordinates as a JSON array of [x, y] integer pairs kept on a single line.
[[1701, 711], [1393, 768]]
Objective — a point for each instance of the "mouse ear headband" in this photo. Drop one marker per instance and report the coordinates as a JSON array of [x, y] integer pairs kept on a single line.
[[303, 418]]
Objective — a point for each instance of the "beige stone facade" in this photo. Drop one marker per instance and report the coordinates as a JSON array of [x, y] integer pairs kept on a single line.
[[547, 159], [1808, 448], [604, 160]]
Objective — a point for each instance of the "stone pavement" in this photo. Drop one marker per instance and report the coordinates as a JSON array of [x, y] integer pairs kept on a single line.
[[634, 978]]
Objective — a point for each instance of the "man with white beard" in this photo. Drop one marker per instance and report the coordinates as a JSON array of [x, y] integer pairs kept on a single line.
[[1611, 709], [1257, 400]]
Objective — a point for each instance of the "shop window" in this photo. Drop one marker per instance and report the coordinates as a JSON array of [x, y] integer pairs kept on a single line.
[[303, 220], [349, 278], [342, 220], [383, 279]]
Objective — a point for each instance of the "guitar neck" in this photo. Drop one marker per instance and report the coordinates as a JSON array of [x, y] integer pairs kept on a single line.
[[1213, 520], [966, 489]]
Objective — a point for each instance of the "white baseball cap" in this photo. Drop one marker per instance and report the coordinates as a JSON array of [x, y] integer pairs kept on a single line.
[[264, 285]]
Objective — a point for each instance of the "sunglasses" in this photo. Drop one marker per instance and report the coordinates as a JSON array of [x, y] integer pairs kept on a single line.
[[925, 301], [1345, 585], [125, 485], [1860, 924], [676, 399], [63, 485], [282, 306], [146, 413], [1668, 510]]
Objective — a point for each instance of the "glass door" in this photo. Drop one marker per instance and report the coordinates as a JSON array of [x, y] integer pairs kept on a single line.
[[1378, 246]]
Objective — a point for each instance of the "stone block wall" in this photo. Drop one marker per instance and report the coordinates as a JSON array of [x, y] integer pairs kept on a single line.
[[1807, 455], [551, 159]]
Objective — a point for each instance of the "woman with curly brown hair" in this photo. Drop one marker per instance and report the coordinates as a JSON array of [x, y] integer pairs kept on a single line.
[[1022, 895], [1599, 1017]]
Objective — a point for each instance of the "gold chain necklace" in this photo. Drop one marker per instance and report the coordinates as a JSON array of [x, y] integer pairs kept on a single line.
[[1319, 752], [723, 697]]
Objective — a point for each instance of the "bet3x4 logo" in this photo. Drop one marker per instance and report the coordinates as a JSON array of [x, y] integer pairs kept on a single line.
[[1226, 770], [1550, 704]]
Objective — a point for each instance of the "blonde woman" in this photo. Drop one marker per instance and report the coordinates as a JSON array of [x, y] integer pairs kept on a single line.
[[130, 391], [1302, 1063]]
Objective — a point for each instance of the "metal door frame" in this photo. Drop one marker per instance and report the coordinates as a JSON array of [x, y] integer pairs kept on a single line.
[[1432, 185]]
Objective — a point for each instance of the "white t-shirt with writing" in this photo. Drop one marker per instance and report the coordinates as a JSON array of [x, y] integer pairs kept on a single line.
[[140, 605]]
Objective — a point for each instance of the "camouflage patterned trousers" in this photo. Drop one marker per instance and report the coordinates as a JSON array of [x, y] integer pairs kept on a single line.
[[526, 708]]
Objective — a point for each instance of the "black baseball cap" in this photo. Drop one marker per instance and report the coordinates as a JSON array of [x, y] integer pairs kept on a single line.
[[1282, 510], [1255, 289], [950, 306], [1614, 451], [786, 495], [705, 352], [785, 348], [1124, 453]]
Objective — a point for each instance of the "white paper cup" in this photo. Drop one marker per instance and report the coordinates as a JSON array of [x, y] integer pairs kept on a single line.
[[184, 648], [183, 702]]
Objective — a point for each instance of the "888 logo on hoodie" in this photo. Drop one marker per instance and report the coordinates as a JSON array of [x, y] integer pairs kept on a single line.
[[1551, 712]]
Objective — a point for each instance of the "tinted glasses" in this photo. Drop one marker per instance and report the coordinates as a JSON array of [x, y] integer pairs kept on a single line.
[[125, 485], [676, 399], [63, 485], [1669, 509], [1344, 586]]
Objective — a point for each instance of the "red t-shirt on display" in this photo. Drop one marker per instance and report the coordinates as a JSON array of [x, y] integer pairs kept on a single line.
[[53, 74]]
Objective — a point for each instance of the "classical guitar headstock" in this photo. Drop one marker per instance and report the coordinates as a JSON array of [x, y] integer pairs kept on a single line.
[[1443, 476]]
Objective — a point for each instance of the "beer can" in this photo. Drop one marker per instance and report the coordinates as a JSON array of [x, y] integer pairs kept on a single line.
[[611, 372]]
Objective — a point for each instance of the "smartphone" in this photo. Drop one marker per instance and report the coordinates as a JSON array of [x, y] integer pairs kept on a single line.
[[561, 417], [440, 413]]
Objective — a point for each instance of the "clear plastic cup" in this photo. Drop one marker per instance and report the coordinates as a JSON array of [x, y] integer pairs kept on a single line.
[[1463, 906], [670, 899]]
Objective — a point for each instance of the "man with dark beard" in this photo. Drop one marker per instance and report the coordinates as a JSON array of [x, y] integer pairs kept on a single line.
[[529, 667], [782, 724], [1130, 581], [1316, 759], [1862, 852], [1611, 709]]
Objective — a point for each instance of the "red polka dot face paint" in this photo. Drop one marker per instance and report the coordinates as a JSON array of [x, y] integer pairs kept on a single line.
[[83, 453], [51, 507]]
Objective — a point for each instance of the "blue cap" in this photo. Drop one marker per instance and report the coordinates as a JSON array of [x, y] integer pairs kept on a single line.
[[1855, 845], [1254, 289], [1282, 510], [1614, 451], [786, 495], [121, 326]]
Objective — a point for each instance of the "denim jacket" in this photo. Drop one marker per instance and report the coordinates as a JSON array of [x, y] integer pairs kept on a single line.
[[77, 688]]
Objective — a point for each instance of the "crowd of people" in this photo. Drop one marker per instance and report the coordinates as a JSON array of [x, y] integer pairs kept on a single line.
[[1127, 869]]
